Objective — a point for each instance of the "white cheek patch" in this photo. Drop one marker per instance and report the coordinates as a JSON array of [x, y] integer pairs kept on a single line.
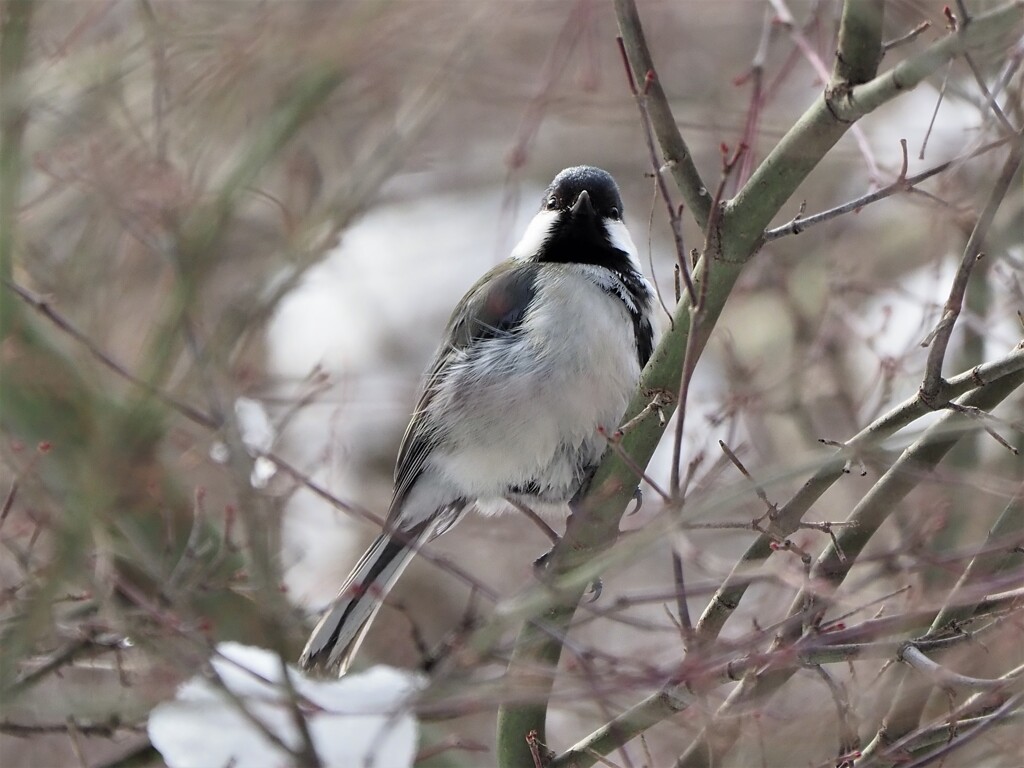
[[619, 237], [536, 233]]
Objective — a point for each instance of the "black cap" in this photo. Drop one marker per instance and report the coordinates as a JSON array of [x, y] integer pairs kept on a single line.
[[599, 185]]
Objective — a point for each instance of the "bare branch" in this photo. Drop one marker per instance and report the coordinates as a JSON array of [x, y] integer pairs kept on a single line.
[[860, 42], [948, 679], [848, 740], [700, 675], [677, 155], [674, 213], [980, 725], [984, 29], [903, 183], [728, 597], [933, 380], [907, 38]]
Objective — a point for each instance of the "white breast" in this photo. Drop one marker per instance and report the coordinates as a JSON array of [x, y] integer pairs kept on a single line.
[[518, 408]]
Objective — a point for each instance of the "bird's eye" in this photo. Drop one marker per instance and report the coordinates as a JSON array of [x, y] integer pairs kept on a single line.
[[550, 204], [613, 213]]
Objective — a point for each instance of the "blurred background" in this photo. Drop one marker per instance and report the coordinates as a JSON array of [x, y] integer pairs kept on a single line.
[[270, 208]]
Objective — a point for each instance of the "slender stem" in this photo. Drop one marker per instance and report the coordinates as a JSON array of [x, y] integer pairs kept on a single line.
[[677, 155], [994, 557], [904, 183], [674, 213], [947, 678], [47, 310], [972, 251]]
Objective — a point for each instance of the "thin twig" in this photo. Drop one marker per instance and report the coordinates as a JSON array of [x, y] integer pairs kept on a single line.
[[615, 444], [997, 716], [990, 100], [712, 243], [677, 155], [908, 37], [983, 417], [755, 106], [675, 217], [534, 518], [91, 642], [811, 55], [845, 716], [702, 675], [903, 183], [45, 308], [947, 678], [772, 510], [935, 111], [8, 502], [685, 622], [650, 264], [92, 728], [939, 338]]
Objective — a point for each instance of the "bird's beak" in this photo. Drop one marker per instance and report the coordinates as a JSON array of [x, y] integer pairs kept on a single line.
[[583, 205]]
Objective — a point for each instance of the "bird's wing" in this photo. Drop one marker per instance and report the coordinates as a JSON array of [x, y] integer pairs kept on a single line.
[[493, 308]]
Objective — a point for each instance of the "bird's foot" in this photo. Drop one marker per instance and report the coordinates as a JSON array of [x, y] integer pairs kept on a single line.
[[541, 564], [638, 497], [540, 570]]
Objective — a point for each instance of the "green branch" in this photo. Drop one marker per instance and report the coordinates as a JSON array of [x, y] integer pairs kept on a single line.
[[860, 43]]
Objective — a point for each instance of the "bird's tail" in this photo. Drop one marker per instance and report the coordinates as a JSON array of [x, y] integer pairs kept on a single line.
[[341, 629]]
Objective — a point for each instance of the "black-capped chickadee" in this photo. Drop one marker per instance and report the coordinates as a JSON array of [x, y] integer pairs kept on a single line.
[[546, 348]]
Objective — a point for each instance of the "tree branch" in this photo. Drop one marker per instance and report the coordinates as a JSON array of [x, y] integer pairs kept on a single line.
[[801, 223], [949, 679], [677, 155], [972, 252], [987, 29], [698, 677], [904, 712], [860, 43], [729, 595], [830, 569]]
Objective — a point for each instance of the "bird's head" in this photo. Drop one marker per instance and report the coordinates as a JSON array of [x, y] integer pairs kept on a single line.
[[580, 221]]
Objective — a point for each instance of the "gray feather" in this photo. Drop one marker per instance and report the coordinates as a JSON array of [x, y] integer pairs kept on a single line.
[[342, 628]]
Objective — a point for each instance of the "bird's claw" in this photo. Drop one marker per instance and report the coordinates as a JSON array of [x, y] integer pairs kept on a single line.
[[540, 570], [638, 497], [540, 565]]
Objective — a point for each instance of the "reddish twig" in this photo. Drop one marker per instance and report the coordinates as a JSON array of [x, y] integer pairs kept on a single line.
[[755, 108], [711, 243], [677, 155], [674, 211], [44, 307]]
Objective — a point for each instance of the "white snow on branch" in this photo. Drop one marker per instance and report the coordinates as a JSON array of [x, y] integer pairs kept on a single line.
[[359, 720]]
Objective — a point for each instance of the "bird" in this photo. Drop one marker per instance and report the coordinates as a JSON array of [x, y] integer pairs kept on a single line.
[[537, 365]]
